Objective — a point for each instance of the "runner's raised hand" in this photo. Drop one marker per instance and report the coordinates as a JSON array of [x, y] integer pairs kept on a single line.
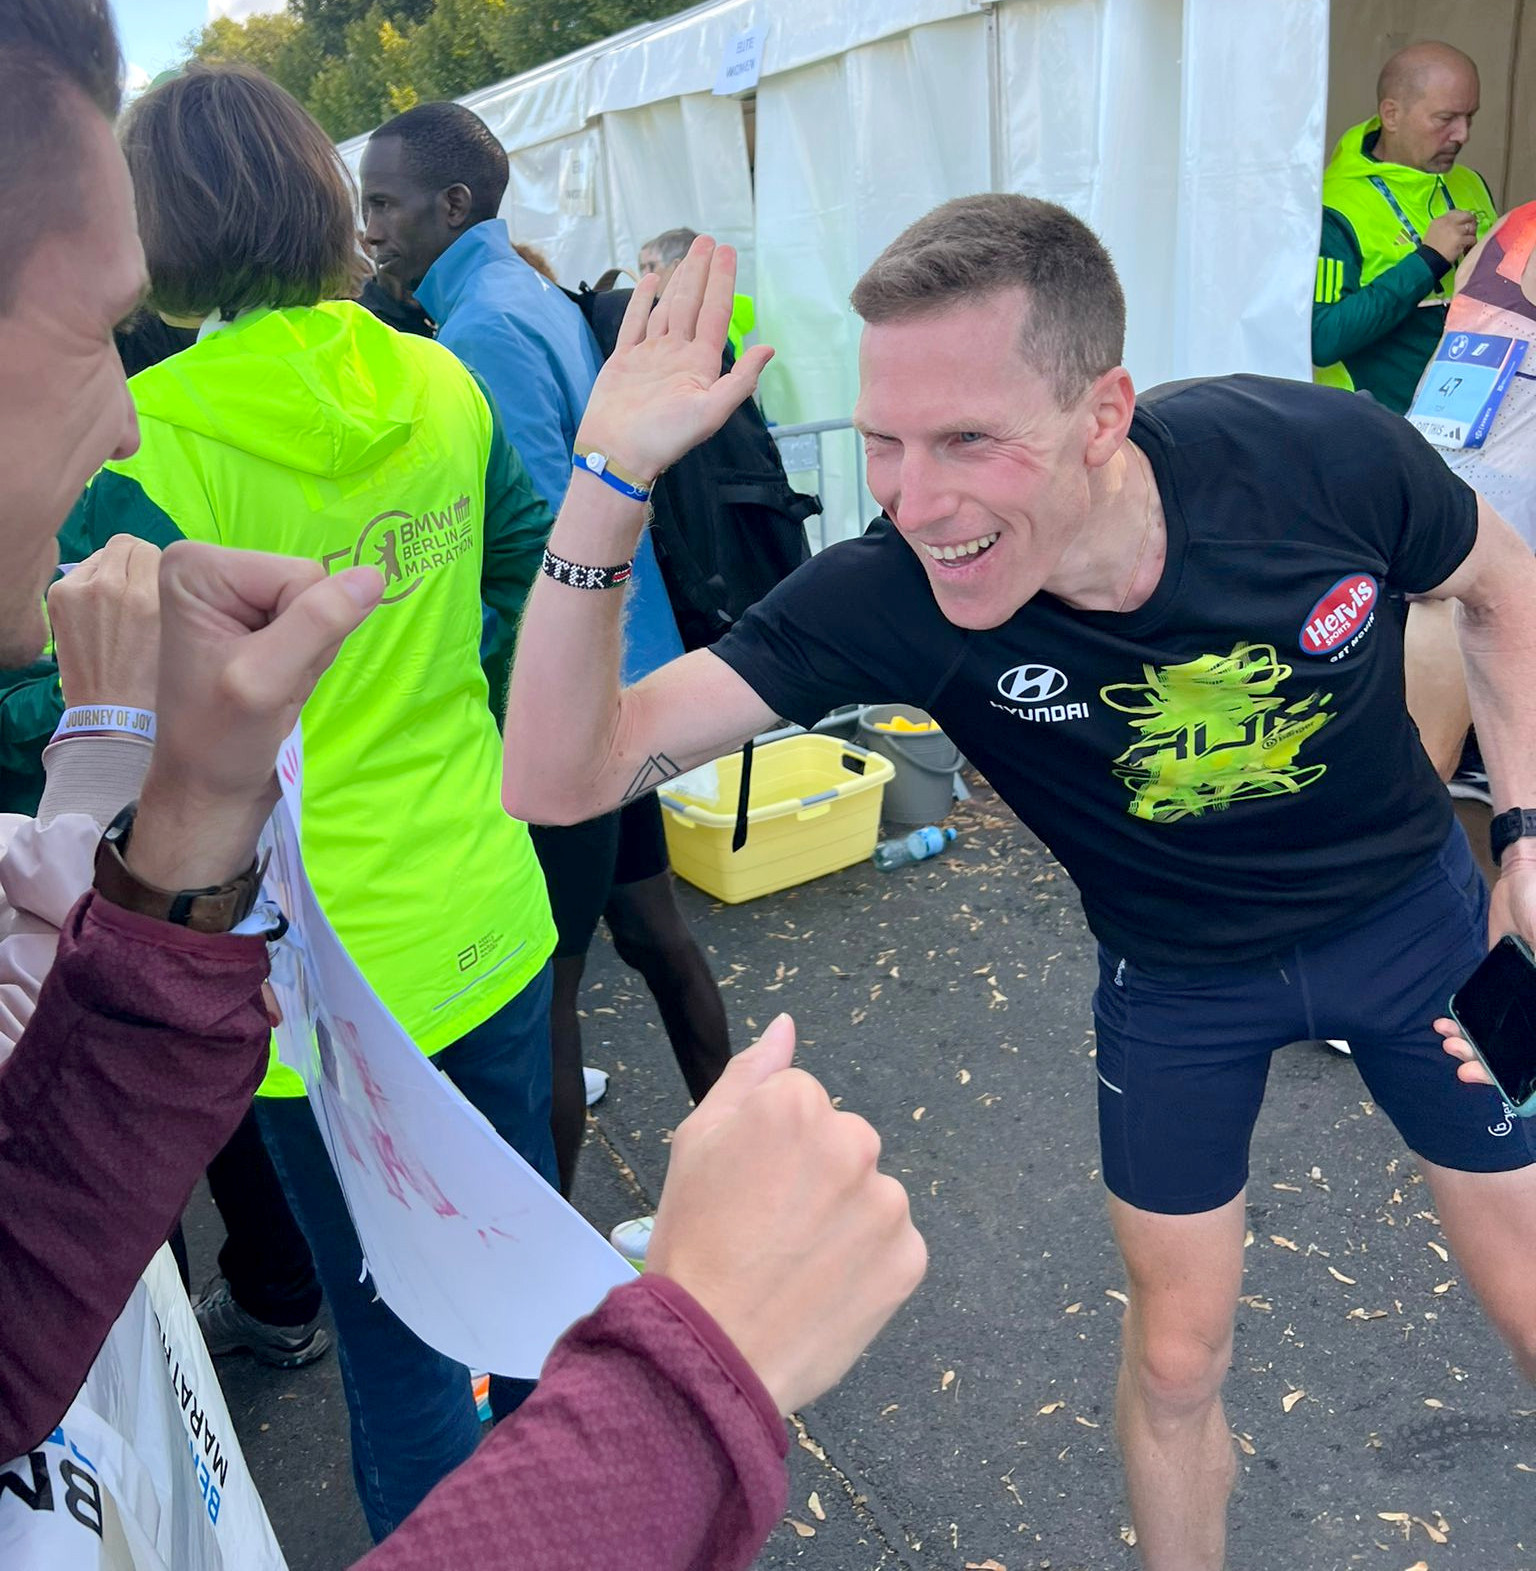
[[660, 392]]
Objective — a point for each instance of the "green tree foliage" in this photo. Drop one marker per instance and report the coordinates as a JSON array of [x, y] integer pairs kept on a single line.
[[278, 46], [328, 20], [353, 63]]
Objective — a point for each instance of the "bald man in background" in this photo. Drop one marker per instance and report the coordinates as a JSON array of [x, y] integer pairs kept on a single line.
[[1399, 213]]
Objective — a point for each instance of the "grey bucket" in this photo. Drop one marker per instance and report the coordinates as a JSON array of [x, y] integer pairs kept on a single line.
[[842, 723], [923, 789]]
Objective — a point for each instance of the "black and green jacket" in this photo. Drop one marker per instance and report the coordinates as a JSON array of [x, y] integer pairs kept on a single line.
[[1369, 328], [30, 707]]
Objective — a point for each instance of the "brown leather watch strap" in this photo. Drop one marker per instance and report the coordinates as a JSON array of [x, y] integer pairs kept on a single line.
[[213, 910]]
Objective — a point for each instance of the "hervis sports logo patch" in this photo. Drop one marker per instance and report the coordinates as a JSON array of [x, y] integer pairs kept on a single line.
[[1340, 616]]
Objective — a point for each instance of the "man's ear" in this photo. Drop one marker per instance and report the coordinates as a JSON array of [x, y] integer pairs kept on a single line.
[[1387, 113], [455, 204], [1107, 407]]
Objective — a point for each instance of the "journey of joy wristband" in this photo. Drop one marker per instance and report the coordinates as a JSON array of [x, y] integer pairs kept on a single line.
[[597, 464], [106, 720]]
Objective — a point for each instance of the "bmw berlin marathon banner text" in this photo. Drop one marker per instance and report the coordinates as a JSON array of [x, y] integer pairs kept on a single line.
[[463, 1239], [144, 1472]]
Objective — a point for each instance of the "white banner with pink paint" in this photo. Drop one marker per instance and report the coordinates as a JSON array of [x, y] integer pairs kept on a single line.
[[463, 1239]]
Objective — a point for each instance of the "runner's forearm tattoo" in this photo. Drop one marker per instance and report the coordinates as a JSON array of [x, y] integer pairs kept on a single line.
[[655, 771]]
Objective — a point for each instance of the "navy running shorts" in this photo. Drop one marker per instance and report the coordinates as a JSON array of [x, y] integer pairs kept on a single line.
[[1183, 1054]]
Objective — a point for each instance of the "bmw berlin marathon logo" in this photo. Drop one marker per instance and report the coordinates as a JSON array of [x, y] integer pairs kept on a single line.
[[1029, 690]]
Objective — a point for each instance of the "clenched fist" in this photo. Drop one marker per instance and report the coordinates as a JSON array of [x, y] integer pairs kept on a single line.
[[106, 625], [778, 1220], [244, 637]]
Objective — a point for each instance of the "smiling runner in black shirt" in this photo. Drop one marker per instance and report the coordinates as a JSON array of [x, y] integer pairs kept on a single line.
[[1164, 635], [1263, 673]]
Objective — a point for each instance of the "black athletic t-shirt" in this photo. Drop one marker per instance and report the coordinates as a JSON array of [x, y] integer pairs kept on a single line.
[[1229, 769]]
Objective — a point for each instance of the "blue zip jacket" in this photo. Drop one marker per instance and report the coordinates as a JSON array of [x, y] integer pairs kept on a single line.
[[531, 347]]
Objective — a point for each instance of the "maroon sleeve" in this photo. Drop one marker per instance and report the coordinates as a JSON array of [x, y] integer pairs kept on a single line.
[[649, 1444], [146, 1046]]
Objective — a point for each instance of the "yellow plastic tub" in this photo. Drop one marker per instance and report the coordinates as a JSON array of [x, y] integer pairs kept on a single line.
[[814, 807]]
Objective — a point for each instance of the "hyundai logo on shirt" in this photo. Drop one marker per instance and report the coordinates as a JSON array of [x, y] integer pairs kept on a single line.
[[1031, 684]]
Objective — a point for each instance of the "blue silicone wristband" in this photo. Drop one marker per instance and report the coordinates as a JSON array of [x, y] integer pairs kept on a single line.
[[597, 464]]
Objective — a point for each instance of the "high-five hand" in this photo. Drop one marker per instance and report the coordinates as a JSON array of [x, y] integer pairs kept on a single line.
[[660, 392]]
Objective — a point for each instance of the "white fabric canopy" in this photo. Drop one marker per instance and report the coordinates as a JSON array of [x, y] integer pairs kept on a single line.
[[1188, 133], [849, 151]]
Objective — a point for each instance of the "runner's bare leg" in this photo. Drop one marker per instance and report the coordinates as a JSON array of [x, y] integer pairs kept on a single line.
[[1185, 1273], [1490, 1220]]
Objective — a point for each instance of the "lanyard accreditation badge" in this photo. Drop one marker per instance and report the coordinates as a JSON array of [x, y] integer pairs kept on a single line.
[[1443, 288], [1409, 228]]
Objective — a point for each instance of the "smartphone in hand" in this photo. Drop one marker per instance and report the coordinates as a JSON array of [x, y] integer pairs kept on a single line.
[[1496, 1011]]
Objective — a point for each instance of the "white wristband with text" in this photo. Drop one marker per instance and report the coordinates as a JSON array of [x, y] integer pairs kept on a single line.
[[106, 720]]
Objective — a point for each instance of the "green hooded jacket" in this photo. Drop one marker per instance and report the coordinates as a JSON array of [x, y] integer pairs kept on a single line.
[[1369, 329], [320, 432]]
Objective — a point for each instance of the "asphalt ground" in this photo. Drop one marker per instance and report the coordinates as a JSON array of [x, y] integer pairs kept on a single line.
[[1380, 1423]]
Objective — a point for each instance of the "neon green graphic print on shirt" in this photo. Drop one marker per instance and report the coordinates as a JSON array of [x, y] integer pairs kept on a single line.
[[1214, 731], [321, 433]]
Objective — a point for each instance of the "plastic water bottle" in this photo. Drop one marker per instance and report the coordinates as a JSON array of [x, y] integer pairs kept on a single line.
[[915, 847]]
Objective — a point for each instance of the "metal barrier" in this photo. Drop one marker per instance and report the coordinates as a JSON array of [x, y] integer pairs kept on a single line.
[[802, 450]]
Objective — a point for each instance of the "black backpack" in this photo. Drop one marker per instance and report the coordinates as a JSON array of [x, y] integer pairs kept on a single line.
[[726, 523]]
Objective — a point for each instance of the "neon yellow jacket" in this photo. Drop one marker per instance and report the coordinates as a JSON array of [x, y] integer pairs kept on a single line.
[[320, 432], [1379, 300]]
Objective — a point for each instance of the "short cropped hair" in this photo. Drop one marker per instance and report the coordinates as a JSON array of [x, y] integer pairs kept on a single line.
[[446, 144], [671, 245], [242, 199], [974, 246], [59, 59]]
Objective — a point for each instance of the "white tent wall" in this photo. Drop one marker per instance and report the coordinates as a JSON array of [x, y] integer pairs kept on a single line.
[[1046, 90], [1249, 204], [1133, 113], [1189, 133], [1129, 93], [850, 151], [681, 162], [555, 201]]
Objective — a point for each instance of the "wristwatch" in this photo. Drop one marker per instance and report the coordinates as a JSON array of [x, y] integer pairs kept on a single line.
[[213, 910], [1509, 827]]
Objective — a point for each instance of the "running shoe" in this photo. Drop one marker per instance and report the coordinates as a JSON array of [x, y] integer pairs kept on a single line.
[[227, 1328], [597, 1085], [633, 1239]]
